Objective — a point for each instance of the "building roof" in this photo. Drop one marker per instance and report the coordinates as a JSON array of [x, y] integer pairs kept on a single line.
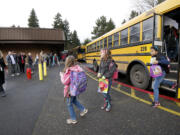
[[31, 34]]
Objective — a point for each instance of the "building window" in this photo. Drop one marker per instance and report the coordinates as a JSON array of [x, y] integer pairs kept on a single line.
[[110, 42], [116, 39], [105, 42], [148, 29], [135, 33], [124, 37]]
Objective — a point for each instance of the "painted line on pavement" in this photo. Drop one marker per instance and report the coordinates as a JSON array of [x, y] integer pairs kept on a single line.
[[178, 104], [140, 99], [138, 89], [151, 97]]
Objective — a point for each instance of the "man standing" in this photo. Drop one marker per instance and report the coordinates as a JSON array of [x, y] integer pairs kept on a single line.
[[11, 63]]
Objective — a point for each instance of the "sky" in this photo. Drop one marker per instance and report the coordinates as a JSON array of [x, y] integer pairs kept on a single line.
[[81, 14]]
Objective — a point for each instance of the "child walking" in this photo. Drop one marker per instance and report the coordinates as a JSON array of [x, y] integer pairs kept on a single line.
[[65, 79], [106, 70], [163, 63]]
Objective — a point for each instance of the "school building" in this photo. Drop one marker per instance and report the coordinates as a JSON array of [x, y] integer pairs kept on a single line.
[[31, 40]]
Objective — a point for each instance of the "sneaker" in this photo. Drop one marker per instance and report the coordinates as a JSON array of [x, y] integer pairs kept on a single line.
[[12, 75], [155, 104], [83, 112], [70, 121], [17, 74], [108, 109], [174, 86], [104, 106]]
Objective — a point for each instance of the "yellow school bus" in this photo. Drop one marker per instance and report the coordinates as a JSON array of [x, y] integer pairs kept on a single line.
[[79, 52], [130, 44]]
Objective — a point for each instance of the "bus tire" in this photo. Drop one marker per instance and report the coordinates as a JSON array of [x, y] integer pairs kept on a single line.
[[139, 76], [95, 66]]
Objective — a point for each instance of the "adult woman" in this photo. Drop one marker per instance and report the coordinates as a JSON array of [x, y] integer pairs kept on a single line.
[[106, 70], [2, 76]]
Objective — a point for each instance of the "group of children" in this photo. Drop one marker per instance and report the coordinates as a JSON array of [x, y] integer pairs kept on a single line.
[[106, 72]]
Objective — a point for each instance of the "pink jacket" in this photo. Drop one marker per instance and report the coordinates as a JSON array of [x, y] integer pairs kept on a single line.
[[65, 78]]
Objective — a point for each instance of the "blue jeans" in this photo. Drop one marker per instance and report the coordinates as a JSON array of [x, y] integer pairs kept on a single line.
[[156, 84], [73, 100], [107, 95]]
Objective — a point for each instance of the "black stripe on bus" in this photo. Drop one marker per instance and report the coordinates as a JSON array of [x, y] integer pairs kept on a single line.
[[127, 45], [122, 62], [129, 54]]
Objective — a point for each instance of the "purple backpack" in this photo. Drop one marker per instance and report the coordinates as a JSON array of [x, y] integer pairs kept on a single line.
[[78, 83], [155, 71]]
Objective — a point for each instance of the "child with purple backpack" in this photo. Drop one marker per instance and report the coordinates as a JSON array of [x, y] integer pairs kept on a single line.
[[74, 79], [162, 63]]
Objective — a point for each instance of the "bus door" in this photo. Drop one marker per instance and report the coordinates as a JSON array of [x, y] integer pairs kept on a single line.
[[178, 90], [171, 46]]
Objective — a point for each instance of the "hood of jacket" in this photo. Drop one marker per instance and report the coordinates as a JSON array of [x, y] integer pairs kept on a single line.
[[75, 68]]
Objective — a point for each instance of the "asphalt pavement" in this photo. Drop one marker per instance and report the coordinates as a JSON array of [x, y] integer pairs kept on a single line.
[[35, 107]]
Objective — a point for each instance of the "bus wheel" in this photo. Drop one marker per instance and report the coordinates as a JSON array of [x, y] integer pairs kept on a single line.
[[139, 77], [95, 66]]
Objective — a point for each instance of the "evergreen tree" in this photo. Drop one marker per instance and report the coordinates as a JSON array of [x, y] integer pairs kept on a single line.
[[64, 26], [74, 39], [58, 23], [124, 21], [133, 14], [86, 41], [66, 29], [33, 20], [110, 25], [102, 27]]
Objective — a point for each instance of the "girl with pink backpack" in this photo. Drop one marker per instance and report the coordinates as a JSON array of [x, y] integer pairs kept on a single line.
[[69, 89]]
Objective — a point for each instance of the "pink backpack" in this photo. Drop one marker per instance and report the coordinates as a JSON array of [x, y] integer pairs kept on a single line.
[[115, 74]]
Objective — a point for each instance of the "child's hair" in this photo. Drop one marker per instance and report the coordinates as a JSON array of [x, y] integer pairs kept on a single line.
[[155, 48], [70, 61], [107, 54]]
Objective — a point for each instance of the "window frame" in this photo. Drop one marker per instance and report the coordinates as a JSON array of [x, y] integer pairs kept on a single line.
[[131, 35], [124, 37], [149, 29], [110, 41]]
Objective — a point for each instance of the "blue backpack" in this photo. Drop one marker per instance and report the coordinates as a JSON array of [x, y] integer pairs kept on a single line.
[[78, 83]]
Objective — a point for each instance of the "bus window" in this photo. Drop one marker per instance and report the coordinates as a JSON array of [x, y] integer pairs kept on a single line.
[[105, 42], [135, 33], [101, 45], [116, 39], [148, 29], [88, 49], [98, 45], [124, 37], [110, 42], [94, 47]]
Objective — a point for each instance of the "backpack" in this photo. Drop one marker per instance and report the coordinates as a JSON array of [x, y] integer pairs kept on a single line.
[[78, 83], [115, 74], [155, 71]]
